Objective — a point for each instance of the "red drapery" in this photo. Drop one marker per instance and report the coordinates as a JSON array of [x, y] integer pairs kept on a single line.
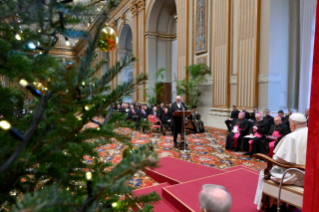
[[311, 194]]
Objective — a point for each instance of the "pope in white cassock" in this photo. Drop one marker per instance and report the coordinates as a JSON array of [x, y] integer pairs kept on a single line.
[[290, 150]]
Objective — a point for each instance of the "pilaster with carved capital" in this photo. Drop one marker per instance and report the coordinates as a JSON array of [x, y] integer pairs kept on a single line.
[[113, 25], [141, 5], [134, 9]]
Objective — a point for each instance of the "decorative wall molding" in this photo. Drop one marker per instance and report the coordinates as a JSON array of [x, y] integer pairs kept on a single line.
[[155, 35], [269, 78], [221, 112], [233, 80]]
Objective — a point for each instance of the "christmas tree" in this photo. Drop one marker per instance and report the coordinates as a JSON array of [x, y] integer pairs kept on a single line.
[[41, 155]]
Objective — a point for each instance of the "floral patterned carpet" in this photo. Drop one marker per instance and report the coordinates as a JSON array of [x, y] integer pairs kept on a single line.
[[206, 149]]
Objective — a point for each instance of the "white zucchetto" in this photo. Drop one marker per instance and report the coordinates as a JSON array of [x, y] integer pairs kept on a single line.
[[298, 117]]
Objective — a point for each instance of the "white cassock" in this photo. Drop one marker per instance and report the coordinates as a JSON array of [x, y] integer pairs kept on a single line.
[[290, 150]]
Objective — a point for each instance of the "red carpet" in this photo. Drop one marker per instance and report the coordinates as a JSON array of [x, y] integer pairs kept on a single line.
[[164, 205], [175, 171], [240, 183]]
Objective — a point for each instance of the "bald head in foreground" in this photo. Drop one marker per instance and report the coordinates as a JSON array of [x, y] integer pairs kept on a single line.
[[215, 198]]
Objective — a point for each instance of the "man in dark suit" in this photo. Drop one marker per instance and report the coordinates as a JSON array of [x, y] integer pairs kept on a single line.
[[233, 116], [284, 119], [133, 114], [253, 114], [247, 115], [269, 118], [166, 119], [177, 121], [161, 109]]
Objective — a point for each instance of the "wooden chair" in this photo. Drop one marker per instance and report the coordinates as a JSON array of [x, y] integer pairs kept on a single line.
[[152, 119], [290, 194]]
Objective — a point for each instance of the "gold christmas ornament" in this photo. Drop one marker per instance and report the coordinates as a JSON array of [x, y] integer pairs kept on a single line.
[[108, 39]]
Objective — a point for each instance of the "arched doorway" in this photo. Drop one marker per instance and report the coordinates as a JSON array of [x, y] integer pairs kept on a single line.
[[125, 48], [161, 43]]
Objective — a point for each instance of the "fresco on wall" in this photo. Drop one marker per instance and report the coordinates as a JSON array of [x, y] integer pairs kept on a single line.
[[201, 29]]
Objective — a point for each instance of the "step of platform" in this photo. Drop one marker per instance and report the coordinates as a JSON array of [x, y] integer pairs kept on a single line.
[[240, 167], [176, 171], [163, 205], [240, 183]]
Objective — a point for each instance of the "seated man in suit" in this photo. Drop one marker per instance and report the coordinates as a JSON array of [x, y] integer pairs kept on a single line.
[[133, 114], [240, 129], [233, 116], [198, 124], [143, 118], [161, 109], [147, 110], [166, 119]]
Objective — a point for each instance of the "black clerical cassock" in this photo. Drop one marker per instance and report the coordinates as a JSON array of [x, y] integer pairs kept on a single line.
[[243, 128], [260, 139], [177, 121]]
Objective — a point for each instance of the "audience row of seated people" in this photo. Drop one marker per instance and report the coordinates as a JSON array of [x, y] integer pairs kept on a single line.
[[164, 115], [254, 133]]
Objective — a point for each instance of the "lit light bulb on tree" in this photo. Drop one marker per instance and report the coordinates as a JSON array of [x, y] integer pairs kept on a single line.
[[33, 90], [18, 37], [6, 126], [32, 46]]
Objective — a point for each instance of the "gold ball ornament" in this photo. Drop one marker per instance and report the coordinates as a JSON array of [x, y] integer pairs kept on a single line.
[[108, 39]]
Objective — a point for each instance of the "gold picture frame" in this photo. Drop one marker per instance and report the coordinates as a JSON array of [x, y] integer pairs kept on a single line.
[[201, 29], [202, 59]]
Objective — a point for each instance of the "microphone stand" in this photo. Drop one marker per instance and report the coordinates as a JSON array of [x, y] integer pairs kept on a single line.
[[185, 150]]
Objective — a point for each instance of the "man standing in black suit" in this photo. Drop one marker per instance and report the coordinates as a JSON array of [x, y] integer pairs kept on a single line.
[[253, 114], [247, 115], [177, 121], [234, 115]]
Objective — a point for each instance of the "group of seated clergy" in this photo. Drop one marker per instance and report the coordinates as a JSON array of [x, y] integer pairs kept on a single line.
[[254, 133], [139, 112]]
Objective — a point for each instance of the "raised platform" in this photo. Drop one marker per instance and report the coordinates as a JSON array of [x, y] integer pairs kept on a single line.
[[176, 171], [181, 182]]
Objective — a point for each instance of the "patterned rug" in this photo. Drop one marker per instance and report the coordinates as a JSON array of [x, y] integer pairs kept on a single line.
[[206, 149]]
